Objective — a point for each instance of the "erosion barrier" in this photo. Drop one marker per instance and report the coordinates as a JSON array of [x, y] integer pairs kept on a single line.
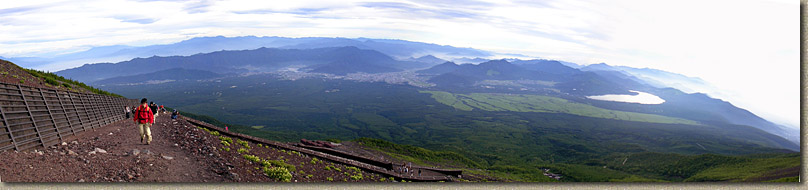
[[338, 156], [33, 117]]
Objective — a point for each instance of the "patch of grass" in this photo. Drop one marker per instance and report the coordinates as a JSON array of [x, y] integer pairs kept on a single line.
[[281, 163], [226, 139], [252, 158], [357, 170], [243, 143], [786, 179], [278, 173], [314, 160], [356, 177], [242, 150]]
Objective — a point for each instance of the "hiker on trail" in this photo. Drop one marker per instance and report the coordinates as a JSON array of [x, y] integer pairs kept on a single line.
[[154, 109], [175, 114], [226, 129], [144, 117], [419, 172], [162, 109], [128, 112]]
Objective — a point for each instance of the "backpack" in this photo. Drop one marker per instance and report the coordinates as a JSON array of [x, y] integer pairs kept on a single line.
[[142, 114]]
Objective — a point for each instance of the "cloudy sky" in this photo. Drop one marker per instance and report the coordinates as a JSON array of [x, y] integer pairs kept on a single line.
[[749, 48]]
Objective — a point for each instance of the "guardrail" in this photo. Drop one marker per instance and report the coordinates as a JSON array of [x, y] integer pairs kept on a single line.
[[32, 117]]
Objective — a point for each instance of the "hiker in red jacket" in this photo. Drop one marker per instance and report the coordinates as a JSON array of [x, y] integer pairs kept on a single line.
[[144, 117]]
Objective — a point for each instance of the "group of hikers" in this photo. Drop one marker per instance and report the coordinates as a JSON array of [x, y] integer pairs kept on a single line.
[[145, 116], [407, 169]]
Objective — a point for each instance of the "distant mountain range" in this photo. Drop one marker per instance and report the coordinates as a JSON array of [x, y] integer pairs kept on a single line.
[[547, 77], [398, 49]]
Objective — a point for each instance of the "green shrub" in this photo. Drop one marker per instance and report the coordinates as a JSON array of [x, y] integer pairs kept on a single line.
[[51, 81], [313, 160], [357, 170], [329, 179], [243, 143], [242, 150], [228, 139], [226, 149], [278, 173], [214, 133], [356, 177], [280, 163], [252, 158], [309, 176], [66, 85], [225, 143]]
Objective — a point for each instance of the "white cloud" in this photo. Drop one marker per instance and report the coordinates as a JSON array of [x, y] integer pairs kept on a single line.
[[748, 48]]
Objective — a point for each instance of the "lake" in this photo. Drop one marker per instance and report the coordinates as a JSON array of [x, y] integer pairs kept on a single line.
[[641, 97]]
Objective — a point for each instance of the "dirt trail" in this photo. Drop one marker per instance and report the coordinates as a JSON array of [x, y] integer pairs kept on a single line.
[[169, 158]]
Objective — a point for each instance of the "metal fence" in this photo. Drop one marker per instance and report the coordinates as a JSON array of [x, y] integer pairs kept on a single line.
[[31, 117]]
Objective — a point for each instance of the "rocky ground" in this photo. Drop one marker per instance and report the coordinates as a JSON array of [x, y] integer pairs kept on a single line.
[[114, 153], [179, 152]]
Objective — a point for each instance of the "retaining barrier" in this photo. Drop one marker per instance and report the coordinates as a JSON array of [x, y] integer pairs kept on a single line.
[[32, 117]]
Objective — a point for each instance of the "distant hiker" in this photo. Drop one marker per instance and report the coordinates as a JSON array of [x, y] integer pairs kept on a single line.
[[175, 114], [226, 129], [128, 112], [144, 117], [419, 172], [154, 110], [162, 109]]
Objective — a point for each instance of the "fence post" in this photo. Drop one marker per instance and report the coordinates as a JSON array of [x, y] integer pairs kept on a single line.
[[82, 122], [67, 115], [50, 114], [33, 120], [8, 128]]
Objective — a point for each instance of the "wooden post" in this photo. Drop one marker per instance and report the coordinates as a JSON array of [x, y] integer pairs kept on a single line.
[[8, 128], [67, 116], [33, 121], [50, 114]]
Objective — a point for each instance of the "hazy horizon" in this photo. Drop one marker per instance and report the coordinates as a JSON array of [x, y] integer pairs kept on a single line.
[[748, 49]]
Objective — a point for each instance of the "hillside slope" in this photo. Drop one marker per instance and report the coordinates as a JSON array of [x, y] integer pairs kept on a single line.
[[11, 73]]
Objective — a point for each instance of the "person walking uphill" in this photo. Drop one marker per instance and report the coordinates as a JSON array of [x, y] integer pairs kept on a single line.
[[144, 117], [154, 109]]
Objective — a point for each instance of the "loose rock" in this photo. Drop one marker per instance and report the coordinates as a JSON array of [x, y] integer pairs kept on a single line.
[[100, 150]]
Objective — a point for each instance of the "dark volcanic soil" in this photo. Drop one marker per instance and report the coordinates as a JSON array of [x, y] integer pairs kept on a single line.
[[126, 159], [179, 152]]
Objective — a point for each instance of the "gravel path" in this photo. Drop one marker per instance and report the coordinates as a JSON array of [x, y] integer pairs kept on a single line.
[[114, 153]]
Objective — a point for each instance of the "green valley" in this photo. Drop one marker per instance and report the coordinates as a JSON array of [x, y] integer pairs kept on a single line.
[[535, 103]]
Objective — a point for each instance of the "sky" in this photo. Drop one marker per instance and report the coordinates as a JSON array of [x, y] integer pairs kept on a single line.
[[747, 48]]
